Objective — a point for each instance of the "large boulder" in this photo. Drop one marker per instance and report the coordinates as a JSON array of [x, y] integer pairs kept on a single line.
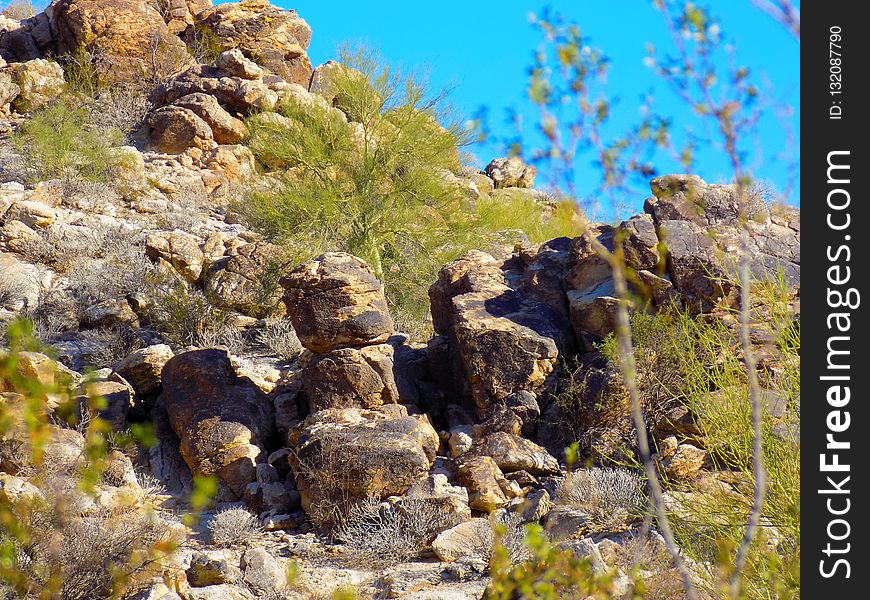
[[179, 249], [142, 368], [223, 420], [486, 484], [344, 454], [19, 283], [268, 35], [336, 301], [511, 172], [501, 341], [701, 226], [513, 453], [173, 130], [351, 377], [179, 14], [128, 39], [39, 82], [226, 129], [241, 281]]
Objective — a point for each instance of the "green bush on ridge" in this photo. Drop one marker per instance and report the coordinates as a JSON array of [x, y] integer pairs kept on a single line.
[[381, 185]]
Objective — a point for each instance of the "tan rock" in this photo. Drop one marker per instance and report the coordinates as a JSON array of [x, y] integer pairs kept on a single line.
[[174, 130], [234, 64], [223, 420], [345, 454], [225, 128], [35, 215], [129, 38], [179, 249], [511, 172], [484, 481], [267, 35], [685, 462], [336, 301], [39, 81], [514, 453], [142, 368], [473, 538], [351, 377]]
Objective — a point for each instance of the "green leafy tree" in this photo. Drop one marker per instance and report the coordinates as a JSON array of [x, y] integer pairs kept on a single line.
[[378, 179]]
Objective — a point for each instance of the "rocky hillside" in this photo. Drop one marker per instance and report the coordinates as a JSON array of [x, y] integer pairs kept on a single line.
[[343, 452]]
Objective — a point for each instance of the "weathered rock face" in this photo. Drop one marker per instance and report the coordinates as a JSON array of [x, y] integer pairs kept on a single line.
[[173, 130], [39, 82], [223, 420], [142, 368], [513, 453], [269, 36], [179, 14], [351, 377], [179, 249], [487, 487], [700, 224], [128, 38], [239, 281], [226, 129], [238, 96], [345, 454], [511, 172], [335, 301], [502, 342]]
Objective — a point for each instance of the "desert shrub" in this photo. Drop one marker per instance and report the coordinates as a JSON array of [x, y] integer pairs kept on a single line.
[[379, 184], [281, 339], [106, 346], [12, 289], [61, 144], [203, 44], [613, 497], [185, 316], [82, 557], [382, 534], [119, 107], [55, 542], [234, 527], [697, 361], [549, 573]]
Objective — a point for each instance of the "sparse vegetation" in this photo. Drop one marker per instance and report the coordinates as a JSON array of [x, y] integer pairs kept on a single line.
[[62, 145], [613, 497], [550, 573], [382, 534], [234, 527], [280, 338], [55, 540]]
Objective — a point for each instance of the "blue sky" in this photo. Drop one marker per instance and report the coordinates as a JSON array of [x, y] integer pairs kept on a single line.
[[486, 48]]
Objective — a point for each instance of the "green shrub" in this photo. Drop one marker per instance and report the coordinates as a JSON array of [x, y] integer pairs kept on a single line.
[[697, 360], [380, 183], [549, 573], [61, 145]]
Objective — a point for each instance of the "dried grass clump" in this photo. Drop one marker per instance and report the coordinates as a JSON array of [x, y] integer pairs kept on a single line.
[[613, 497], [234, 527]]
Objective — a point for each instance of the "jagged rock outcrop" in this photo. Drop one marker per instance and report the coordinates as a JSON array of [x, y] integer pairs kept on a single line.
[[128, 39], [511, 172], [223, 420], [269, 36]]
